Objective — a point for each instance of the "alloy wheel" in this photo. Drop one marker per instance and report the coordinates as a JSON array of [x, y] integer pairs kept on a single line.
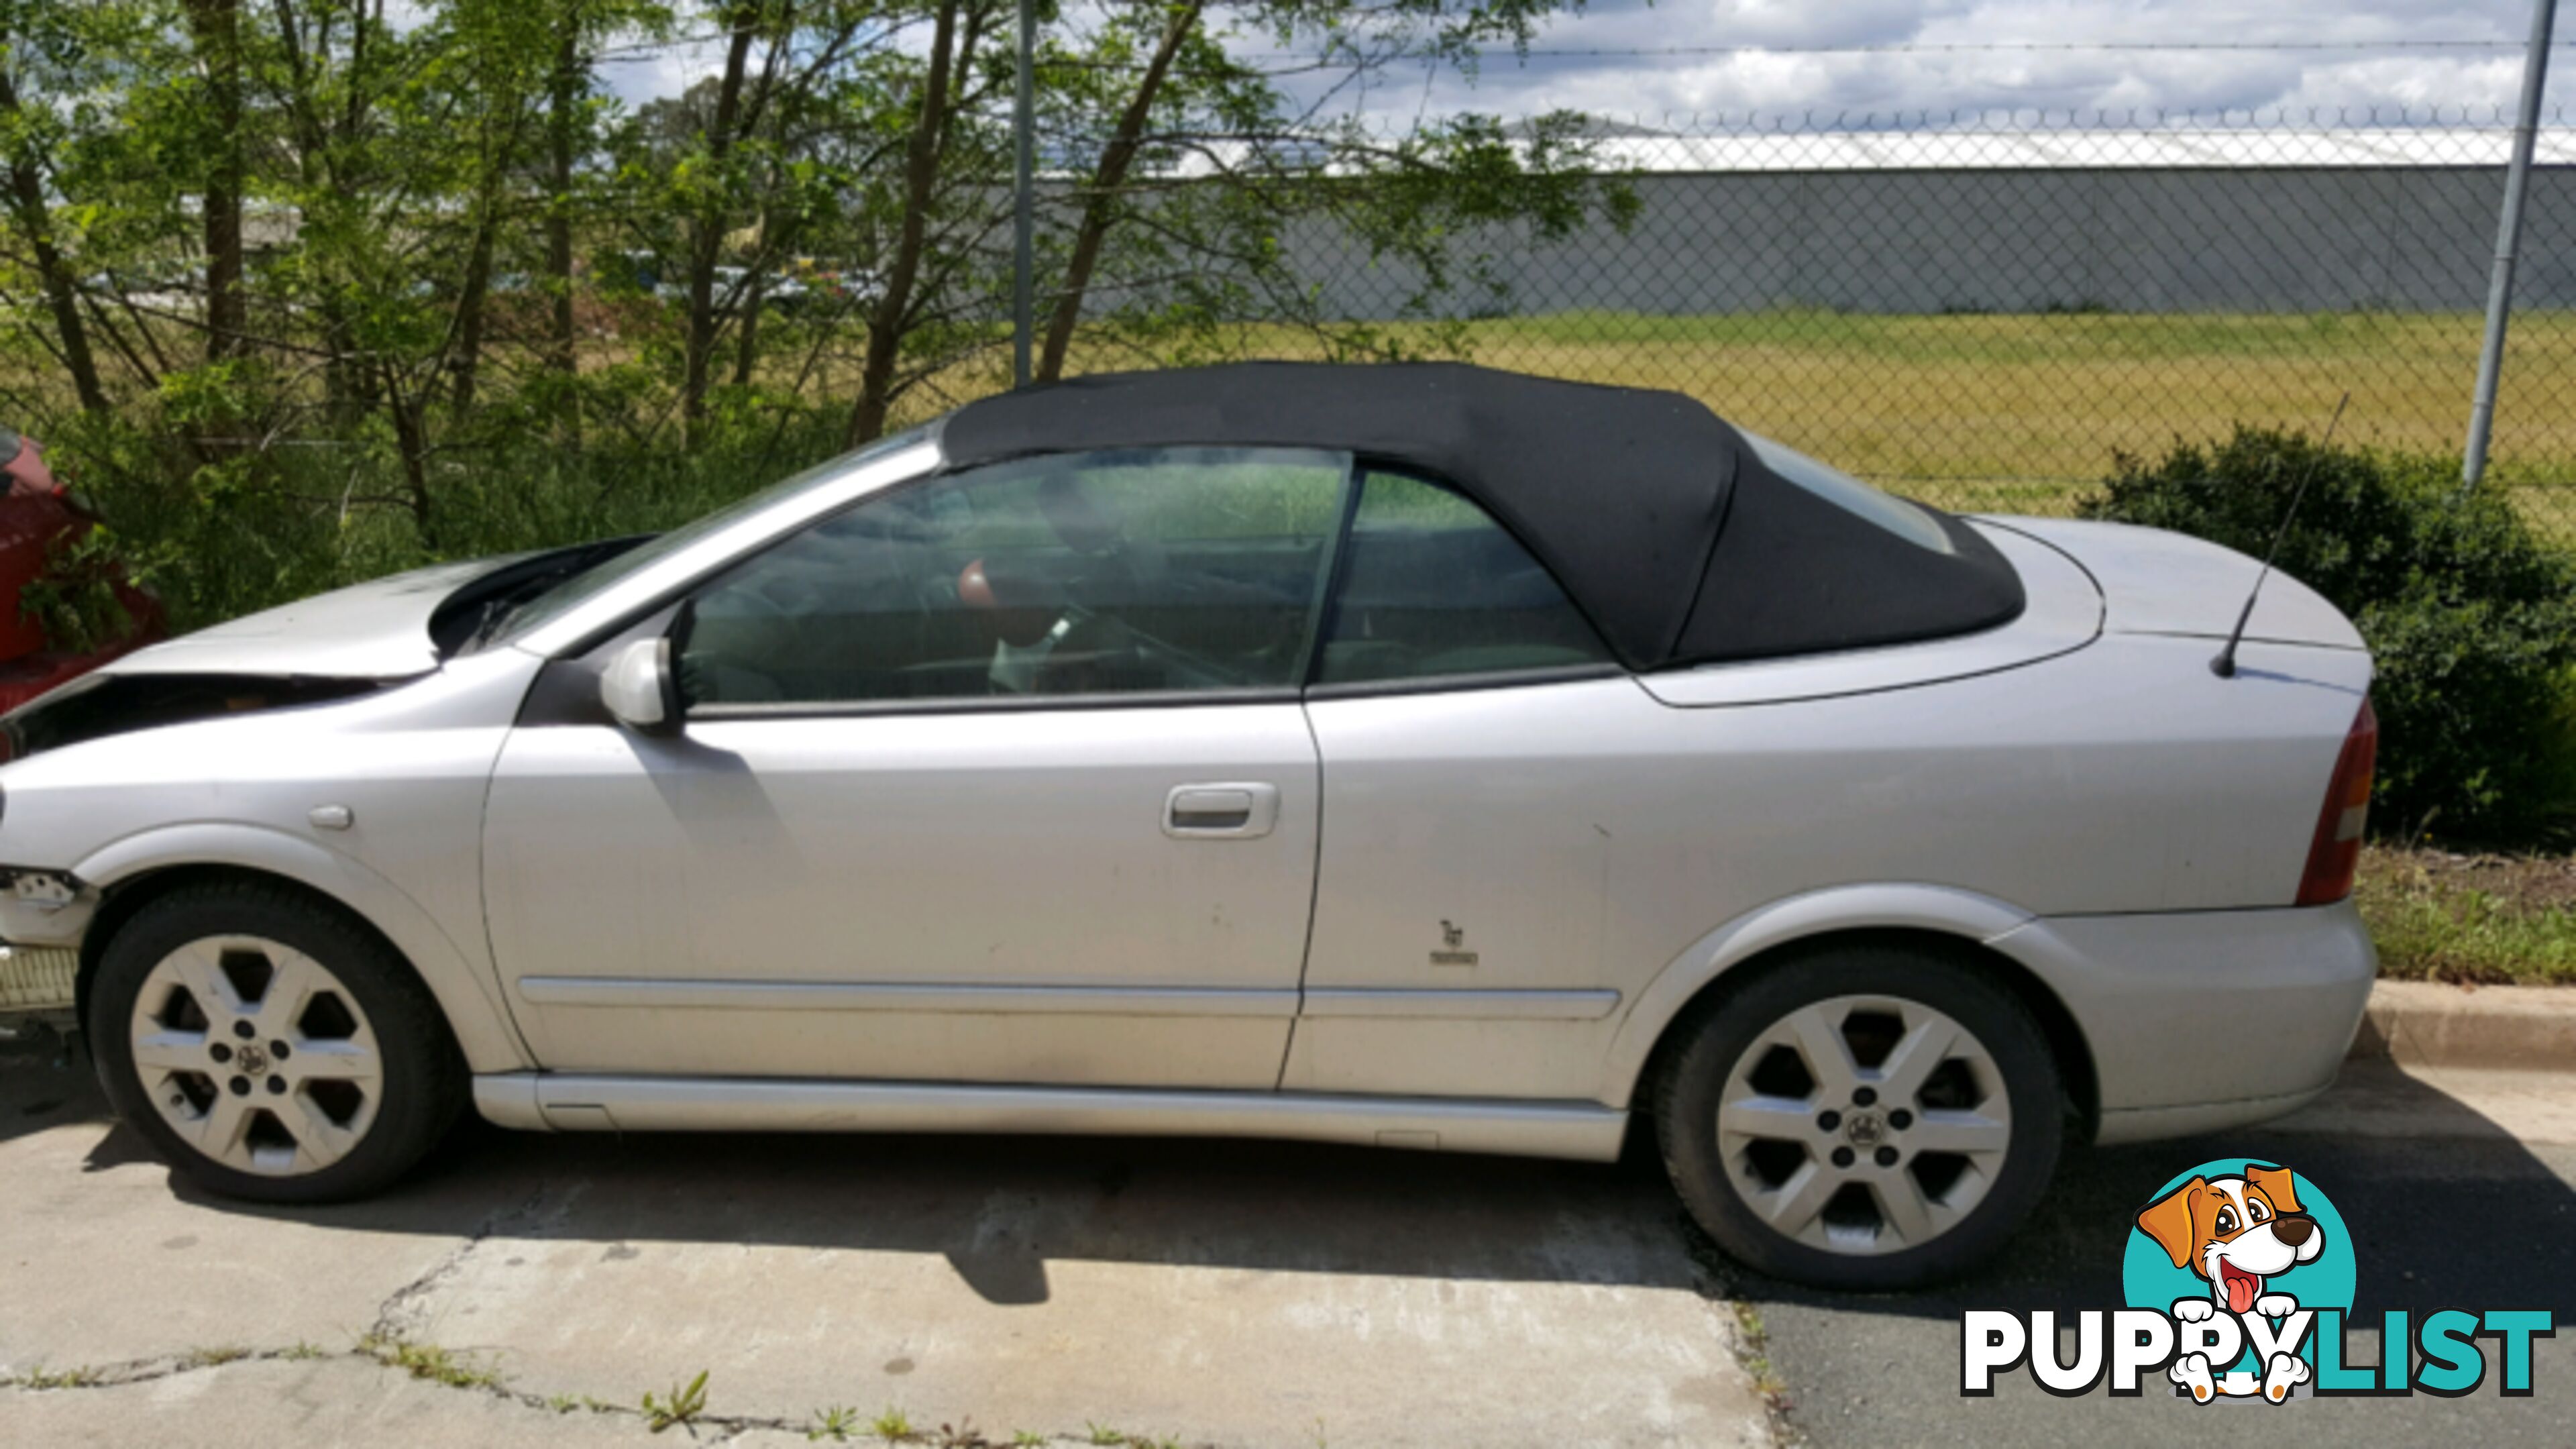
[[1864, 1125], [256, 1055]]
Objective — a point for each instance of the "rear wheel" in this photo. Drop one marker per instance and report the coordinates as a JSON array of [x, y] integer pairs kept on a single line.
[[1862, 1117], [271, 1048]]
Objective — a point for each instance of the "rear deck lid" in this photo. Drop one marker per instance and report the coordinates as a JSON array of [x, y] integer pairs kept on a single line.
[[2155, 582]]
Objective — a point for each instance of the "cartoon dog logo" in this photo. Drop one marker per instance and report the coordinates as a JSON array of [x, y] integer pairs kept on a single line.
[[2238, 1234]]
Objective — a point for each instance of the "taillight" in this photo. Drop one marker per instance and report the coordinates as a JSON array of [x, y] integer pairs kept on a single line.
[[2335, 853]]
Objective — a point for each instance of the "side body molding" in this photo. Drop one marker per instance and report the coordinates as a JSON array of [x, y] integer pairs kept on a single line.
[[465, 991], [1950, 911]]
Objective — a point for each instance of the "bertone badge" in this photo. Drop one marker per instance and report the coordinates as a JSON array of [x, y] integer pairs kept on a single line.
[[1453, 937]]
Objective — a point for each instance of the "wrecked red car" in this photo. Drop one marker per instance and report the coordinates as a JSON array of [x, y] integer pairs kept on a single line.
[[37, 515]]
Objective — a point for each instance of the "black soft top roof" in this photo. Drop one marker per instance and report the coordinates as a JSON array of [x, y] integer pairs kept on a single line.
[[1659, 519]]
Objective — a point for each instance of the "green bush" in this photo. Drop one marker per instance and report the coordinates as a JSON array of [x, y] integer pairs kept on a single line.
[[216, 536], [2471, 616]]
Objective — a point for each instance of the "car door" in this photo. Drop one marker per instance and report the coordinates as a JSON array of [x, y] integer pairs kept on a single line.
[[999, 777], [1475, 737]]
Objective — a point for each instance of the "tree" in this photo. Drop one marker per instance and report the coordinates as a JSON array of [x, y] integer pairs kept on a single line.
[[1210, 160], [1109, 178], [46, 72], [938, 101], [406, 222], [215, 27]]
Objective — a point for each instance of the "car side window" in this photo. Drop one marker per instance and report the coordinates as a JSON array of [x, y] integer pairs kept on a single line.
[[1433, 586], [1164, 570]]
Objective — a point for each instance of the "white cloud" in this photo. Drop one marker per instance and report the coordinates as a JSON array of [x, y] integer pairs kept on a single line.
[[1858, 58]]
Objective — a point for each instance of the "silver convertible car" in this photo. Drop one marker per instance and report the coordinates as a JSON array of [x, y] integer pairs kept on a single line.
[[1416, 756]]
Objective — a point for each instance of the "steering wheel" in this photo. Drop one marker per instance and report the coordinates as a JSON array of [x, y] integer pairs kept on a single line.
[[1077, 628]]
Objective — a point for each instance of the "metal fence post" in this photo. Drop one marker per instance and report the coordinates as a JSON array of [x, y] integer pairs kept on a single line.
[[2535, 75], [1023, 204]]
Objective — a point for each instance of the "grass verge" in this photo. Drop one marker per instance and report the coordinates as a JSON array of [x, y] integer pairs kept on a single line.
[[2477, 919]]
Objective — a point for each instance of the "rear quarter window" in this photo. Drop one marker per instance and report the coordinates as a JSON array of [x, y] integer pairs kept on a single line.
[[1848, 493]]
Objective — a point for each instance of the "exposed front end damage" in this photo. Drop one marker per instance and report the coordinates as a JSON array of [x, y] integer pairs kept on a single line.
[[43, 914], [108, 704]]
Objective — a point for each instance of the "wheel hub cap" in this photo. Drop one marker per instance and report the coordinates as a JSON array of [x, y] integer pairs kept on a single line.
[[1864, 1124], [256, 1055]]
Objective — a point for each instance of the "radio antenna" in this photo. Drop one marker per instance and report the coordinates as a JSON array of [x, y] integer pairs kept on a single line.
[[2224, 666]]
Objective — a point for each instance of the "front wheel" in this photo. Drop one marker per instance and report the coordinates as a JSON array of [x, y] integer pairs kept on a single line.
[[270, 1048], [1869, 1117]]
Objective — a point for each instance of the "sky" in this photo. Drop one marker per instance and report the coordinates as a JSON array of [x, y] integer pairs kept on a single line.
[[1802, 75], [1854, 58]]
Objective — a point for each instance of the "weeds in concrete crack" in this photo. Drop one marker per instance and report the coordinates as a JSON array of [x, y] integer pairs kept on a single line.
[[1752, 1336], [680, 1406], [431, 1362], [41, 1378], [147, 1370], [684, 1406], [1757, 1358]]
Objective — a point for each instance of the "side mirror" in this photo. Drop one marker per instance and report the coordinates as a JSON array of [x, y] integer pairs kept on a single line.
[[639, 688]]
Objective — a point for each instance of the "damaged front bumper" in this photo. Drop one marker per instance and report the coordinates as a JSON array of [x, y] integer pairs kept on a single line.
[[42, 916], [38, 981]]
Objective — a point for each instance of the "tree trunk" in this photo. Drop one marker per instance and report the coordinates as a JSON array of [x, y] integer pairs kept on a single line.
[[348, 383], [472, 301], [776, 239], [216, 28], [746, 353], [62, 291], [920, 175], [1102, 207], [564, 95], [706, 234], [411, 439]]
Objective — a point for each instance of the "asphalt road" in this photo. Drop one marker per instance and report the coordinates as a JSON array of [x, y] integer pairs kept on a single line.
[[1226, 1293], [2473, 1219]]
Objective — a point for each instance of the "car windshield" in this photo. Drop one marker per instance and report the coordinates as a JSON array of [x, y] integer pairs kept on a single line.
[[1905, 520], [573, 592]]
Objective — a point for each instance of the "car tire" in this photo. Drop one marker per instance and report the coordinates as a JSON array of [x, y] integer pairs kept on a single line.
[[1887, 1166], [195, 996]]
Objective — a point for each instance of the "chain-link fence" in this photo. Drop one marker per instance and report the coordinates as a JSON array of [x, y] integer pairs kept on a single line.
[[1981, 313]]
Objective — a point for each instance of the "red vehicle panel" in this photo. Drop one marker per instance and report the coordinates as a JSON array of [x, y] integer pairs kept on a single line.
[[30, 525]]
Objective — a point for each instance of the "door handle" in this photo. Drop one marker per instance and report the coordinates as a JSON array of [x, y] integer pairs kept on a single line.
[[1227, 811]]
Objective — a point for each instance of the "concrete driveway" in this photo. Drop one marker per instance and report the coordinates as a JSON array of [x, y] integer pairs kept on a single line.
[[1078, 1290], [1152, 1292]]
